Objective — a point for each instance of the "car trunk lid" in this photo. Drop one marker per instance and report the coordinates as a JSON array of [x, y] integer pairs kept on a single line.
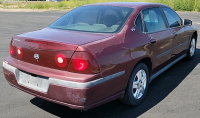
[[56, 39], [43, 47]]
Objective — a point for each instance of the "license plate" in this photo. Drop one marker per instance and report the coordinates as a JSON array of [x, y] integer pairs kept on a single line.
[[32, 81], [35, 81]]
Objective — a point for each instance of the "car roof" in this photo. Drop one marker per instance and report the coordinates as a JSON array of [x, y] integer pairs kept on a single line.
[[126, 4]]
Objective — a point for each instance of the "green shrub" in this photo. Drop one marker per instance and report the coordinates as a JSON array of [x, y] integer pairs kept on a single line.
[[178, 5], [197, 5], [20, 5], [6, 4]]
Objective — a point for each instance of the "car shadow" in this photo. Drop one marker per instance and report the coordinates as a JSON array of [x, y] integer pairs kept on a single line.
[[159, 88]]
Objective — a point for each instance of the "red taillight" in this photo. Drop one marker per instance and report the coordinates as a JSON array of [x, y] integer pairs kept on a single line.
[[80, 64], [11, 49], [60, 60], [83, 62], [19, 52]]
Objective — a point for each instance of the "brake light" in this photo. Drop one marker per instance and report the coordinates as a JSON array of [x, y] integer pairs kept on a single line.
[[38, 42], [11, 49], [60, 60], [19, 52], [80, 64], [83, 62]]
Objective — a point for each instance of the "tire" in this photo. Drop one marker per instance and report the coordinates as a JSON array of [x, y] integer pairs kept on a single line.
[[137, 86], [192, 48]]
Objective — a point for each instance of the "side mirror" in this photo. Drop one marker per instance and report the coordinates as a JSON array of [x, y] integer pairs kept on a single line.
[[187, 22]]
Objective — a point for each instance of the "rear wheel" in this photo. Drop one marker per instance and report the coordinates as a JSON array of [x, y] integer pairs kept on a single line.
[[137, 86], [192, 48]]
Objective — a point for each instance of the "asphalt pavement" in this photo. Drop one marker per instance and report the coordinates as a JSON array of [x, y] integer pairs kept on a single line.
[[173, 94]]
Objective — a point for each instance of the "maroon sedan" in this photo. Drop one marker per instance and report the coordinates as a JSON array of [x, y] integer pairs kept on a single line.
[[100, 52]]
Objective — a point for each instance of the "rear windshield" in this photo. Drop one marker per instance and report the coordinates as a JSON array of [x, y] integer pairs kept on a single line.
[[98, 19]]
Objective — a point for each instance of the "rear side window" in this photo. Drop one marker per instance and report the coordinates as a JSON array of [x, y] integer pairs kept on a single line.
[[138, 23], [172, 18], [153, 20]]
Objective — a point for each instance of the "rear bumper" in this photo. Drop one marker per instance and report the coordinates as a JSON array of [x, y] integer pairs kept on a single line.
[[74, 94]]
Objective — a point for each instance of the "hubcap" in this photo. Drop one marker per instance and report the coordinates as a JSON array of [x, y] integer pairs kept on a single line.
[[192, 47], [139, 84]]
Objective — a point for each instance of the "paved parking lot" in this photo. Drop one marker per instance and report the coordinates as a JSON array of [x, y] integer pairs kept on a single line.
[[175, 93]]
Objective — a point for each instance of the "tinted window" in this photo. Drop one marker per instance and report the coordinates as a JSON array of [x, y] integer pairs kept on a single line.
[[173, 19], [84, 17], [138, 23], [153, 20], [111, 12], [98, 19]]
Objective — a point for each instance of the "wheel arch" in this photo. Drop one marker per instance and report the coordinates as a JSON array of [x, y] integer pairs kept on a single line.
[[196, 35], [147, 62]]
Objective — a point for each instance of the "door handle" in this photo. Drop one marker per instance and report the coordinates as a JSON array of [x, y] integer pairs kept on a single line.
[[153, 41]]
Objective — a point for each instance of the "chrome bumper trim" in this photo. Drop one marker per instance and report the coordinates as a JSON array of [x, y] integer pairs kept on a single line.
[[64, 83]]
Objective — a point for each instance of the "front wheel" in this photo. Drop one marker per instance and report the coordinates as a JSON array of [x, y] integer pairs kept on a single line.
[[192, 48], [137, 86]]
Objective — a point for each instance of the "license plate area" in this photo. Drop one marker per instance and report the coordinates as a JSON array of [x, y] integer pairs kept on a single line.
[[33, 81]]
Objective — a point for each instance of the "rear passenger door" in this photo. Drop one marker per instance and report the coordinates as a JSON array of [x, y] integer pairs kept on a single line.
[[159, 36], [180, 38]]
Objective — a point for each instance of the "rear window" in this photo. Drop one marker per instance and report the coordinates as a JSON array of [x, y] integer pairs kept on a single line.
[[98, 19]]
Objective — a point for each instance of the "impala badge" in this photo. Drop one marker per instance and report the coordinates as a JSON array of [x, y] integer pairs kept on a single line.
[[36, 56]]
